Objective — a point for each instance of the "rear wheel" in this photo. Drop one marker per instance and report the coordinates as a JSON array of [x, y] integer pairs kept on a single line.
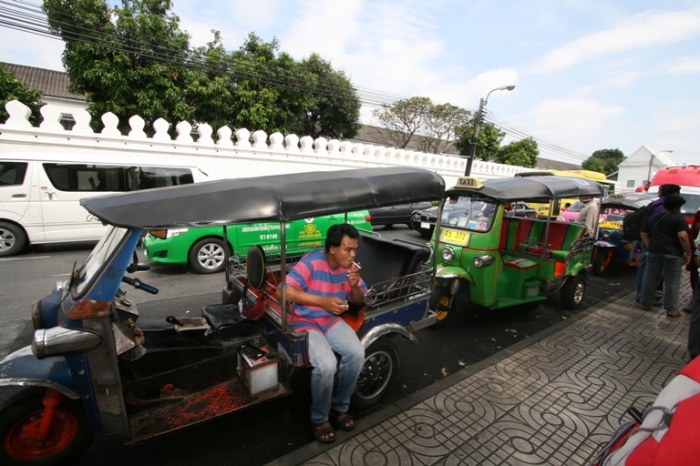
[[12, 239], [20, 420], [378, 374], [599, 262], [572, 292], [207, 255], [440, 303]]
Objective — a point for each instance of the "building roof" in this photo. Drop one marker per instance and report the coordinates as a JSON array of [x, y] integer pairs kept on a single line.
[[50, 82]]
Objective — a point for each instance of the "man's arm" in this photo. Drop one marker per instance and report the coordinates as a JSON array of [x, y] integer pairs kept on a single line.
[[645, 239], [331, 304], [685, 244]]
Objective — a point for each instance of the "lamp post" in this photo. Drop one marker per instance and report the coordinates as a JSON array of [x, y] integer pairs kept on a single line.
[[477, 122], [651, 160]]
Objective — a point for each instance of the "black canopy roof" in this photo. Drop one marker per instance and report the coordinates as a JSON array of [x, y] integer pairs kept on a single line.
[[535, 188], [267, 198]]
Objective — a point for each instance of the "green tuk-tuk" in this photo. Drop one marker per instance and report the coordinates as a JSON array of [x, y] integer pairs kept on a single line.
[[498, 260]]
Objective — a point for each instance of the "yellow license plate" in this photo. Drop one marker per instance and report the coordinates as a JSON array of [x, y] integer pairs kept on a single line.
[[610, 225], [455, 237]]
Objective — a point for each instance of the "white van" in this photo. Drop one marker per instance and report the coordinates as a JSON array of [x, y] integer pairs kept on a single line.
[[40, 193]]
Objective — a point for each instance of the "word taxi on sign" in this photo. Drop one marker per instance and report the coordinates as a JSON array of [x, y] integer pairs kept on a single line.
[[469, 182]]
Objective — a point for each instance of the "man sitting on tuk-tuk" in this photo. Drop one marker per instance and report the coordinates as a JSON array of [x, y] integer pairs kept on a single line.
[[321, 286]]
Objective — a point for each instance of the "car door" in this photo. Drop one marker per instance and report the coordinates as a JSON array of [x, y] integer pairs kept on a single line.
[[18, 197]]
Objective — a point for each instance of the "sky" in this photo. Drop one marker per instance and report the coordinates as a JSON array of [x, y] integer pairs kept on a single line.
[[589, 74]]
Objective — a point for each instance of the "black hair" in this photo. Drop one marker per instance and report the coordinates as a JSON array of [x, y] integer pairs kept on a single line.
[[666, 190], [673, 202], [335, 234]]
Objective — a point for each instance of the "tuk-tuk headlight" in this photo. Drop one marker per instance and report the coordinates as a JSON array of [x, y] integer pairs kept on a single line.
[[606, 234], [483, 261], [448, 254]]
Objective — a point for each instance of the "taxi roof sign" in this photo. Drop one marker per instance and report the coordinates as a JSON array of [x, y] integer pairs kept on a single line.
[[469, 182]]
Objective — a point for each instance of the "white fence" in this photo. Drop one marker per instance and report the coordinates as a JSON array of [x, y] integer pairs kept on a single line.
[[247, 155]]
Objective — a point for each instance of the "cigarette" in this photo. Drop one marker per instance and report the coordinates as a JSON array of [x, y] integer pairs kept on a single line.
[[356, 265]]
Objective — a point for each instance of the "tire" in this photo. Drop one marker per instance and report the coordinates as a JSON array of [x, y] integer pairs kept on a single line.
[[19, 418], [440, 304], [572, 292], [598, 265], [207, 256], [378, 374], [12, 239]]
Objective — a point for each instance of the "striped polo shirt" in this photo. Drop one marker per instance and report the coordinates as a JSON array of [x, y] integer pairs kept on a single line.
[[314, 275]]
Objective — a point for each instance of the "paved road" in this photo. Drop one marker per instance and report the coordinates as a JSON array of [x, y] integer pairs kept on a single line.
[[264, 433]]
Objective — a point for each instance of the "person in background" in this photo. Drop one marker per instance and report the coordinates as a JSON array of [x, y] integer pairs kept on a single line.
[[694, 328], [665, 235], [694, 230], [589, 215], [566, 207], [657, 206], [321, 286]]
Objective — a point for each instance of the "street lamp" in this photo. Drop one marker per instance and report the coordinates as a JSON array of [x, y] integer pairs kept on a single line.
[[477, 122], [651, 160]]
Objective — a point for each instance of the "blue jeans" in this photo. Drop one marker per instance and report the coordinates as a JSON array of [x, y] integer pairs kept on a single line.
[[640, 274], [333, 381], [666, 267]]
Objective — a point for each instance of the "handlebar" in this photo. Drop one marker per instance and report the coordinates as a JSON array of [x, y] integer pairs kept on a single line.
[[136, 283]]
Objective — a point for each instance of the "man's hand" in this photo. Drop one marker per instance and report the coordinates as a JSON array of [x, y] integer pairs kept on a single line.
[[335, 305], [354, 276]]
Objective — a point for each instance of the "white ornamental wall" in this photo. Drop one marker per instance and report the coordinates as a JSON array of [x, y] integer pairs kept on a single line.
[[244, 155]]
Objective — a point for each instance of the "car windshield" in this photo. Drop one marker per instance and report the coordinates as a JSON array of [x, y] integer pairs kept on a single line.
[[97, 258], [469, 213]]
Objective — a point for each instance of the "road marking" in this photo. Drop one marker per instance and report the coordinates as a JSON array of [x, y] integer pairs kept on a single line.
[[9, 259]]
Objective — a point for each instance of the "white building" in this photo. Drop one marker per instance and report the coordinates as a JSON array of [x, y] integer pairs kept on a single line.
[[640, 166]]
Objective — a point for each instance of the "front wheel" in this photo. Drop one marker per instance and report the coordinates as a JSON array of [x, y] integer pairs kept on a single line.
[[12, 239], [207, 255], [572, 292], [20, 420], [440, 303], [378, 374]]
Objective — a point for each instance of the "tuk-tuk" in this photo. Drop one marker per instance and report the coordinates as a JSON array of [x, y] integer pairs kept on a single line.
[[497, 260], [611, 246], [96, 371]]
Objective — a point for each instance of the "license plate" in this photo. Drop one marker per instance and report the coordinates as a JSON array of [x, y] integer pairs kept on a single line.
[[455, 237], [425, 225]]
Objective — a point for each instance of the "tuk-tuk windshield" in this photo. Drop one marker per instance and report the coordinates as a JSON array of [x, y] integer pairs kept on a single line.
[[469, 213], [97, 258]]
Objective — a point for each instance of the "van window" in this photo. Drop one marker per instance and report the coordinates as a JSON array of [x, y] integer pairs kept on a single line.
[[89, 177], [12, 173]]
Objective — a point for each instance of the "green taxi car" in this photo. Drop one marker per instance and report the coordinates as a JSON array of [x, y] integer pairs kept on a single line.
[[202, 248]]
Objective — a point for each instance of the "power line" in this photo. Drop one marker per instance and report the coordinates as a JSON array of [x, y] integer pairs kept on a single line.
[[27, 17]]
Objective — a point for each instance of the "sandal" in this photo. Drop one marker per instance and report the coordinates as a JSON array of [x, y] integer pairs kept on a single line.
[[323, 432], [342, 421]]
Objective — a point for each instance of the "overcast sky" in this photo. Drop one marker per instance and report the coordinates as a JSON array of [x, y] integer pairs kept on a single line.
[[589, 74]]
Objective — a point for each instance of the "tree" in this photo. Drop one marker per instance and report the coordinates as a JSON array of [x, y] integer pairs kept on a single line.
[[12, 88], [488, 142], [421, 124], [402, 120], [604, 161], [522, 153], [332, 108], [129, 60]]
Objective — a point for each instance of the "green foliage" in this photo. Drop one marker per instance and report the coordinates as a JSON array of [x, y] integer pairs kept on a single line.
[[12, 88], [488, 142], [135, 60], [129, 60], [417, 121], [604, 161], [522, 153], [331, 105]]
